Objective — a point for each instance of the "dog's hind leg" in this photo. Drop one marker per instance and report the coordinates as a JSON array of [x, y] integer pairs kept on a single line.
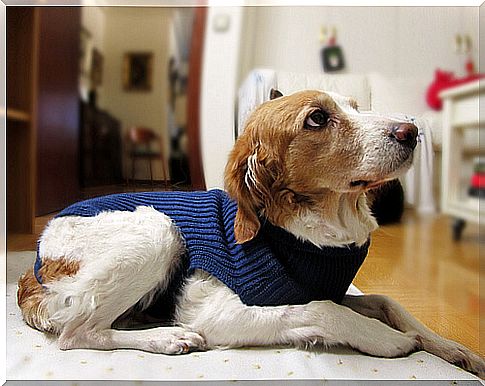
[[124, 257], [393, 314], [215, 312]]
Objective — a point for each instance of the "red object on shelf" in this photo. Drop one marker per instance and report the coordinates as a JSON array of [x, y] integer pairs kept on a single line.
[[478, 180], [442, 81], [470, 66]]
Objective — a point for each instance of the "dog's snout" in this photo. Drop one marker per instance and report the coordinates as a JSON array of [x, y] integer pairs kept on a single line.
[[405, 133]]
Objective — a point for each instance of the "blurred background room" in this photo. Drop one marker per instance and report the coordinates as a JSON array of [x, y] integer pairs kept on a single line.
[[103, 100]]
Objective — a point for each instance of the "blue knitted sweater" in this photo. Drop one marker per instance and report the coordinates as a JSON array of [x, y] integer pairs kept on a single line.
[[275, 268]]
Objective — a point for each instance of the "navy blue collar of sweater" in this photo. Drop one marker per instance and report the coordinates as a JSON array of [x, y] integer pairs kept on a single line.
[[274, 268], [315, 273]]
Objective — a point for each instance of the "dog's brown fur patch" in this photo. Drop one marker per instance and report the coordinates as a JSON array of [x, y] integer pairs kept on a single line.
[[30, 293]]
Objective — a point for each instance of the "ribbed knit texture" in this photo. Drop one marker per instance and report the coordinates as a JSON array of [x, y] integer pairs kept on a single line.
[[275, 268]]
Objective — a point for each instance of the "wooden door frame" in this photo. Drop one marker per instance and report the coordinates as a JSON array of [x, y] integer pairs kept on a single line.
[[193, 99]]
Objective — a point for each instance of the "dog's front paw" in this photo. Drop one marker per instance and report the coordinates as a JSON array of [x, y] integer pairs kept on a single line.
[[469, 361], [178, 341], [392, 344], [457, 355]]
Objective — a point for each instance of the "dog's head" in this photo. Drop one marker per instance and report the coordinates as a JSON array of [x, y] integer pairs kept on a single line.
[[295, 148]]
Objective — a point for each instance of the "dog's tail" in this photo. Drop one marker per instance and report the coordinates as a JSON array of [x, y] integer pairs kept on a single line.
[[31, 298]]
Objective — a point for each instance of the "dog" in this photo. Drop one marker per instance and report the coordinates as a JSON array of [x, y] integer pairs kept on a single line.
[[297, 179]]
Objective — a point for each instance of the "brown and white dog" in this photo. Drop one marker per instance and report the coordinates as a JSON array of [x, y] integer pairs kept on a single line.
[[304, 162]]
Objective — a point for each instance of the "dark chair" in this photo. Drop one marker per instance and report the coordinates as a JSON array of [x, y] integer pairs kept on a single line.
[[144, 143]]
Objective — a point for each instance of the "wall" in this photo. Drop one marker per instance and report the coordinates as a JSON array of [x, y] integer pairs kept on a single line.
[[482, 36], [395, 41], [219, 87], [93, 20], [132, 30]]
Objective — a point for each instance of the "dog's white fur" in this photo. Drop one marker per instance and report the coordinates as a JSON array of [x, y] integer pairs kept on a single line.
[[129, 257], [137, 251], [340, 227]]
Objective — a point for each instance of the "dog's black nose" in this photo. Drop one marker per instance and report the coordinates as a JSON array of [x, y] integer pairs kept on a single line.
[[405, 133]]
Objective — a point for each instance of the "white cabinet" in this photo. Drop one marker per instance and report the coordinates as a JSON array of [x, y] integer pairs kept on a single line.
[[461, 113]]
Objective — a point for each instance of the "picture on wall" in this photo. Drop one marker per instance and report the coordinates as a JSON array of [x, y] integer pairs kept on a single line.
[[332, 58], [137, 71]]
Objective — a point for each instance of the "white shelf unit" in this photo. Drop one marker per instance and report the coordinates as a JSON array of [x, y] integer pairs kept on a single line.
[[461, 111]]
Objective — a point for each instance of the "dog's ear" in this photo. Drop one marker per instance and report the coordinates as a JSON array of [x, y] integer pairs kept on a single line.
[[246, 224], [273, 94], [248, 180]]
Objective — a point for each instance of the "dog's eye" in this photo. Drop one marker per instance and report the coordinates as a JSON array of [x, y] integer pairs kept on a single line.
[[316, 120]]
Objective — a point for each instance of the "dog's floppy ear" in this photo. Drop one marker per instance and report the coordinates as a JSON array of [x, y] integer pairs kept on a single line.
[[248, 179], [273, 94], [246, 224]]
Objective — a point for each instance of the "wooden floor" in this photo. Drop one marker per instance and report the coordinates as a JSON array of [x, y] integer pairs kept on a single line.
[[437, 280], [415, 262]]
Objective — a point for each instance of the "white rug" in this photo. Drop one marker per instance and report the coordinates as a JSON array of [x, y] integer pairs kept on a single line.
[[32, 356]]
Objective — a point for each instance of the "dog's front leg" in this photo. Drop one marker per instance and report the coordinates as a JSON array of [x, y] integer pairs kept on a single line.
[[216, 313], [393, 314]]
